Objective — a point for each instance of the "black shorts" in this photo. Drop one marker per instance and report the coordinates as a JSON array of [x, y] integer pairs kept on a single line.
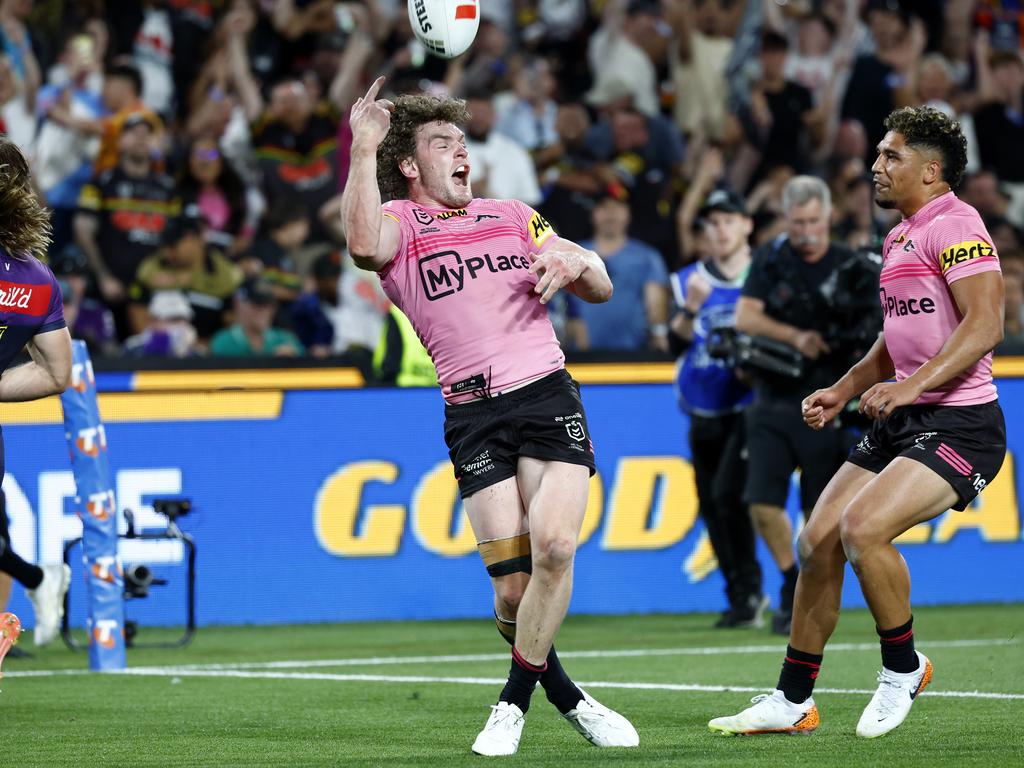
[[543, 420], [963, 444], [778, 441]]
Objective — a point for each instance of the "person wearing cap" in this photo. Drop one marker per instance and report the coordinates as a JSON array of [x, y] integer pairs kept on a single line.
[[186, 263], [169, 332], [636, 317], [253, 332], [88, 319], [315, 313], [122, 213], [785, 298], [714, 397]]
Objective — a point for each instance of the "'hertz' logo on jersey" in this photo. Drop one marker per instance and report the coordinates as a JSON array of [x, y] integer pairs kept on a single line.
[[450, 214], [445, 273], [892, 305], [965, 251], [540, 229]]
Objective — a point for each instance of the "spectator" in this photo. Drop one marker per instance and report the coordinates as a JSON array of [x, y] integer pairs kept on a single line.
[[186, 263], [982, 190], [253, 332], [572, 180], [499, 166], [122, 214], [636, 317], [169, 331], [212, 185], [999, 122], [276, 251], [400, 358], [21, 74], [528, 118], [1013, 328], [315, 313], [87, 319], [617, 57], [122, 87], [65, 146]]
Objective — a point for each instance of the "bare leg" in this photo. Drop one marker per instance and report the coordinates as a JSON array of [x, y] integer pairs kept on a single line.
[[904, 494], [775, 528], [819, 587]]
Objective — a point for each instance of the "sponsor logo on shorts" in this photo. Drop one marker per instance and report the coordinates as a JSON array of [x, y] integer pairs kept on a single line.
[[575, 430], [921, 438], [893, 306], [865, 446], [445, 273], [965, 251], [478, 465], [978, 482]]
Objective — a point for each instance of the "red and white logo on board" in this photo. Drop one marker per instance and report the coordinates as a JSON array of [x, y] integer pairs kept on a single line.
[[24, 299]]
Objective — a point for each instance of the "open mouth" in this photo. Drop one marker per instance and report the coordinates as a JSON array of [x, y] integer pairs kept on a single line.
[[461, 175]]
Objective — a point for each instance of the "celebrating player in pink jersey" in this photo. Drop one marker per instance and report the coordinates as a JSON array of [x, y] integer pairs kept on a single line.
[[473, 276], [938, 436]]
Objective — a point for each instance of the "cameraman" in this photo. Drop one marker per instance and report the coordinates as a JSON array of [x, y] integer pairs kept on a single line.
[[714, 397], [785, 299]]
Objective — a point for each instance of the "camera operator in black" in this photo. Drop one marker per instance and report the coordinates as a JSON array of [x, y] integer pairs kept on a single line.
[[787, 298]]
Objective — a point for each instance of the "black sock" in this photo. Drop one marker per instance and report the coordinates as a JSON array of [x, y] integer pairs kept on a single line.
[[799, 671], [898, 653], [522, 679], [789, 577], [28, 575], [560, 690]]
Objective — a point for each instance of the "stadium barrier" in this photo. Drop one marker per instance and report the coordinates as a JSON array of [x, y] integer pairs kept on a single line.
[[316, 499]]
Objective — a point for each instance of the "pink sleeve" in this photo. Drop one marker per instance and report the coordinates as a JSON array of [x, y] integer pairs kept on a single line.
[[538, 234], [963, 248]]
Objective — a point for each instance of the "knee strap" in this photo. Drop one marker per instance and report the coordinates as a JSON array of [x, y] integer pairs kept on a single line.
[[507, 556]]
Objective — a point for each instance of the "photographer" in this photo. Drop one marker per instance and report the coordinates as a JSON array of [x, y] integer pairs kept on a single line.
[[714, 398], [820, 299]]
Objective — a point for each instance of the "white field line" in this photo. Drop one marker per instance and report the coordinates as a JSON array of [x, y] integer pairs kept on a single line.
[[375, 661], [173, 672]]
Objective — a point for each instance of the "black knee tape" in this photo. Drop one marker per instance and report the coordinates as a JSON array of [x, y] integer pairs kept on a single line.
[[507, 556]]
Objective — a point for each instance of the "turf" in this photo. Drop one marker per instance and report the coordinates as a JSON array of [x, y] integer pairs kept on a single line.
[[176, 719]]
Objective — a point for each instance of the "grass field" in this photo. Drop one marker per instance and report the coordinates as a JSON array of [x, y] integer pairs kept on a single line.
[[370, 695]]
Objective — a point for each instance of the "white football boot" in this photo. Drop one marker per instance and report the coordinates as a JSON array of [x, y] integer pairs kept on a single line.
[[895, 696], [770, 713], [48, 601], [601, 726], [502, 731]]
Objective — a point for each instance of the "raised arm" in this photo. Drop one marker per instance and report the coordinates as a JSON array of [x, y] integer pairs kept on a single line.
[[47, 374], [372, 238]]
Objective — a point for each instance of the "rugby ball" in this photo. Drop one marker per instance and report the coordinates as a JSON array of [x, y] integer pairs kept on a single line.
[[445, 27]]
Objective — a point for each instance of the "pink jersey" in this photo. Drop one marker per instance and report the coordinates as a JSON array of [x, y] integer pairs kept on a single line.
[[462, 277], [922, 256]]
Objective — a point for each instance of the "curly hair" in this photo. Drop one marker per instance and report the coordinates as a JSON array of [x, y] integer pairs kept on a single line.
[[927, 128], [410, 113], [24, 221]]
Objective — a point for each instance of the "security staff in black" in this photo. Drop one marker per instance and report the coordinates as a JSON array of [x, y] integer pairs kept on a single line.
[[786, 299]]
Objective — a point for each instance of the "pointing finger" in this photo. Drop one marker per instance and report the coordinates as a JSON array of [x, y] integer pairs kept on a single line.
[[375, 88]]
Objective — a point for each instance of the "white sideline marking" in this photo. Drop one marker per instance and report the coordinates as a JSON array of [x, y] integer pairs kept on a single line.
[[494, 681], [375, 661]]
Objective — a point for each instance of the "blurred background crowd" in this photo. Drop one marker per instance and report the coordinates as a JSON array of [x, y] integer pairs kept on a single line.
[[193, 152]]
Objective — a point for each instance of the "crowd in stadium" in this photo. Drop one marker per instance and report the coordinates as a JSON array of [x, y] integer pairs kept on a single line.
[[193, 152]]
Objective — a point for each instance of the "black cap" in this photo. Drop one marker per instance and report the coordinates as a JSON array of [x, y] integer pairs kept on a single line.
[[255, 291], [725, 201], [189, 221], [327, 265], [71, 260], [643, 6]]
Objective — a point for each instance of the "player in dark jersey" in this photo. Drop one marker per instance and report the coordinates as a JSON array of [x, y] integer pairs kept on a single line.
[[32, 318]]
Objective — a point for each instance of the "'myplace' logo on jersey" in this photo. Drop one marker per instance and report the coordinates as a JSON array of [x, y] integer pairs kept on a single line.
[[965, 251], [445, 273], [24, 299], [892, 306]]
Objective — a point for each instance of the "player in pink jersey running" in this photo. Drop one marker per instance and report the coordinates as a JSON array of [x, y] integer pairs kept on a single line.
[[938, 436], [473, 276]]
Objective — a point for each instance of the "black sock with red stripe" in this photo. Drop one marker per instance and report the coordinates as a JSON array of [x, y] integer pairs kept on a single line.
[[522, 679], [799, 671], [898, 653], [559, 688]]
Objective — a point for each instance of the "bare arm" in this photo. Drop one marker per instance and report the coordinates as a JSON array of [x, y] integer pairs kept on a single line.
[[820, 407], [566, 264], [372, 238], [238, 65], [656, 306], [980, 300], [48, 374]]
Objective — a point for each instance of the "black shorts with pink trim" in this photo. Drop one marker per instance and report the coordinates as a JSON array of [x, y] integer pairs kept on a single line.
[[964, 444]]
